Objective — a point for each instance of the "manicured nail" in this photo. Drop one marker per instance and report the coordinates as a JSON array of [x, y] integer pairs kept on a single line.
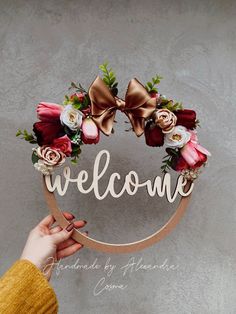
[[85, 221], [70, 227], [73, 217]]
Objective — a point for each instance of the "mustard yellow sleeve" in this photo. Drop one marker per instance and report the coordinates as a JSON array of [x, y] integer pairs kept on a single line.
[[25, 290]]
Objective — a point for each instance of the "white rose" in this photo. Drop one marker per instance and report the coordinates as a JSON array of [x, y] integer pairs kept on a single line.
[[71, 117], [178, 137]]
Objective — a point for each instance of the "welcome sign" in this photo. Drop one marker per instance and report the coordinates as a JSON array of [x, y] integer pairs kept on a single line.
[[131, 183], [63, 129], [155, 187]]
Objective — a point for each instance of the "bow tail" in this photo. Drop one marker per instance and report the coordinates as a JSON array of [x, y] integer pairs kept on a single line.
[[138, 123], [105, 121]]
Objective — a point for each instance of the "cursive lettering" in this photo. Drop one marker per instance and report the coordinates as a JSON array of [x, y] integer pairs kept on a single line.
[[160, 186]]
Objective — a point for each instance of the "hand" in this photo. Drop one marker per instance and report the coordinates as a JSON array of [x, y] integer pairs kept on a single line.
[[46, 242]]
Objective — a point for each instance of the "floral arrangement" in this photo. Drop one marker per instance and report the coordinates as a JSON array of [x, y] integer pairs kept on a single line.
[[64, 128]]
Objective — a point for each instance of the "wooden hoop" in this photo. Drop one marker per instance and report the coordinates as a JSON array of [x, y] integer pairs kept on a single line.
[[117, 248]]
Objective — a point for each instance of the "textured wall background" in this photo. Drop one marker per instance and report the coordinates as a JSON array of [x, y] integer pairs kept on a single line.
[[46, 44]]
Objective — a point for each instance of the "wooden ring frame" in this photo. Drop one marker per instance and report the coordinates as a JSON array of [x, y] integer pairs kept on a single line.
[[117, 248]]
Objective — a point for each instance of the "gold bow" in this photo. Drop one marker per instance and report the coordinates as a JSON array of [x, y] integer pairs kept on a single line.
[[138, 105]]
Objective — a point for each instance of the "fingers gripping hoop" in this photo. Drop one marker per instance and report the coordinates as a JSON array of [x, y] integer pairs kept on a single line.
[[118, 248]]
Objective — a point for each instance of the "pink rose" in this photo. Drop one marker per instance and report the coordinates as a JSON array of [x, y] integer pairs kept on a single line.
[[49, 156], [165, 119], [49, 112], [90, 132], [62, 143], [194, 154]]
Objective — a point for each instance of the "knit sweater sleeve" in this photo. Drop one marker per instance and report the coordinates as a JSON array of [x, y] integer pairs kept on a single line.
[[24, 289]]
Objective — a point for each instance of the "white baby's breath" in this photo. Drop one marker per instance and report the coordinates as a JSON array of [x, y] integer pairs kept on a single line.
[[45, 169]]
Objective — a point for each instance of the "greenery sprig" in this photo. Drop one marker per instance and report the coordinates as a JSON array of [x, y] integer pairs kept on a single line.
[[151, 85], [76, 101], [171, 105], [167, 160], [29, 137], [109, 78], [78, 88], [76, 151]]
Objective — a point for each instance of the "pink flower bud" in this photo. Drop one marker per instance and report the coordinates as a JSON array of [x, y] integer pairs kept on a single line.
[[90, 132], [49, 112]]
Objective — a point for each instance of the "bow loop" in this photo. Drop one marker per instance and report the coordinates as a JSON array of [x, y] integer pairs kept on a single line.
[[138, 105], [103, 105]]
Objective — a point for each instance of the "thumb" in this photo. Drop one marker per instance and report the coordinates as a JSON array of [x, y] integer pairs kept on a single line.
[[63, 234]]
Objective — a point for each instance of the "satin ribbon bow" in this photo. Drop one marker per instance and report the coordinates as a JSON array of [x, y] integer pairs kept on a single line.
[[138, 105]]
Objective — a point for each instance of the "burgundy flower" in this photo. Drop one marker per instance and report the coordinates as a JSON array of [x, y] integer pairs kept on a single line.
[[46, 132], [186, 118], [178, 163], [153, 135]]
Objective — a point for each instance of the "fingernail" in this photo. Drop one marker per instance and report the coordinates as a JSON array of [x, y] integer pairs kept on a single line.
[[70, 227], [73, 217], [85, 221], [86, 232]]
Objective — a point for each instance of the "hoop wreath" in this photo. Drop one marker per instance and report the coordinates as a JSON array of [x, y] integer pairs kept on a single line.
[[64, 129]]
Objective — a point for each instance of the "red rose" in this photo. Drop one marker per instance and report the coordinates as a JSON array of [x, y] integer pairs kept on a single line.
[[178, 163], [153, 135], [49, 112], [62, 143], [46, 132], [186, 118]]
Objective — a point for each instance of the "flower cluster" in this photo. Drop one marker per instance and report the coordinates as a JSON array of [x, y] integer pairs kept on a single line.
[[175, 127], [60, 131], [63, 128]]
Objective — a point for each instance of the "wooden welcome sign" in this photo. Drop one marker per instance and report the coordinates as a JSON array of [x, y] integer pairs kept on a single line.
[[63, 129], [159, 186]]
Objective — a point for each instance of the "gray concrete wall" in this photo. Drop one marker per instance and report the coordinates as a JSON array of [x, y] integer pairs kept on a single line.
[[46, 44]]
